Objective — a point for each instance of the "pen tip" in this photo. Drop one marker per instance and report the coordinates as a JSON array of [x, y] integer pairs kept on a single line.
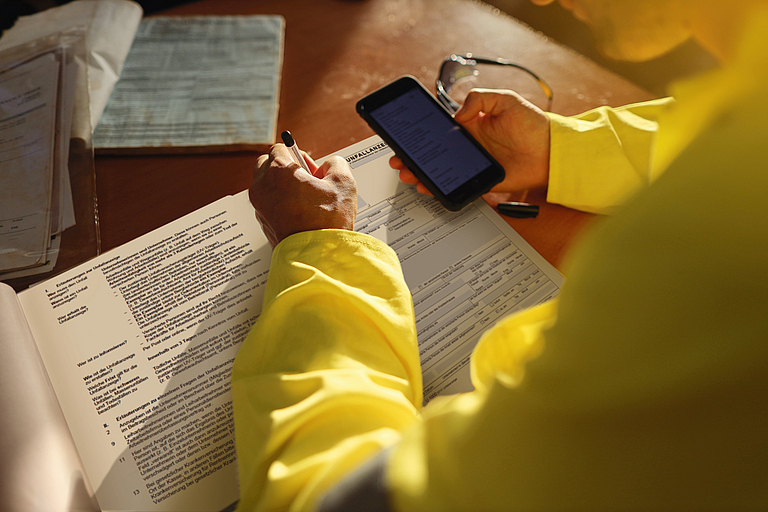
[[287, 138]]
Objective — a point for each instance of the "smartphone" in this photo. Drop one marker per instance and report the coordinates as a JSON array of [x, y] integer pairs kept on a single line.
[[443, 155]]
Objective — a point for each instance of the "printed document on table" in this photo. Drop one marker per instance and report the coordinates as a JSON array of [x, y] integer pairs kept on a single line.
[[28, 105], [197, 82], [139, 342], [466, 270]]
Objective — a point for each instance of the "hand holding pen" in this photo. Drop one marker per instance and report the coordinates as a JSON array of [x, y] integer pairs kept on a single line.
[[288, 201]]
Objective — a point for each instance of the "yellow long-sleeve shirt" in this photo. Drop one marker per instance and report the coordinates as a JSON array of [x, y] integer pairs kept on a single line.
[[643, 386]]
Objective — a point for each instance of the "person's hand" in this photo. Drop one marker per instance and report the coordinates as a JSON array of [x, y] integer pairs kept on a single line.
[[289, 200], [512, 129]]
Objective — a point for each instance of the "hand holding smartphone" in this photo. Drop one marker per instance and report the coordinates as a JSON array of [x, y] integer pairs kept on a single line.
[[444, 156]]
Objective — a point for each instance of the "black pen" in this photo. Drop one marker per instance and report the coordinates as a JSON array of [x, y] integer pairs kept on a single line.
[[291, 144], [518, 210]]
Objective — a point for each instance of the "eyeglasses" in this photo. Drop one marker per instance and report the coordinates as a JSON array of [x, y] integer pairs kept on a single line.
[[459, 74]]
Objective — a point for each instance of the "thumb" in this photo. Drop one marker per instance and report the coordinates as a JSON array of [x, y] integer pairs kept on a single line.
[[474, 104], [480, 101]]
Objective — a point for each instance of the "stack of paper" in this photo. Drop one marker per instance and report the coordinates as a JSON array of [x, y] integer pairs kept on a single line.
[[188, 84], [36, 101], [57, 69]]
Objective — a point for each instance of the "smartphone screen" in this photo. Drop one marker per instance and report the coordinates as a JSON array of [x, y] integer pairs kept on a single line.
[[442, 154], [434, 143]]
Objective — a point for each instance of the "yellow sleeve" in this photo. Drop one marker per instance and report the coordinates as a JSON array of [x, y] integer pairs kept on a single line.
[[600, 158], [644, 380], [329, 374], [644, 375]]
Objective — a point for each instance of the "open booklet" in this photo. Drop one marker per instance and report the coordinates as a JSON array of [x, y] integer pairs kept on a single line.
[[138, 343]]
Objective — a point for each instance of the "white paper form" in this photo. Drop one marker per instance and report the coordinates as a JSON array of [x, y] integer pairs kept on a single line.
[[197, 81], [28, 104], [466, 270]]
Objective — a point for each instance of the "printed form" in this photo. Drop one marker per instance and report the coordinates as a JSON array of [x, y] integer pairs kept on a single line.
[[466, 270]]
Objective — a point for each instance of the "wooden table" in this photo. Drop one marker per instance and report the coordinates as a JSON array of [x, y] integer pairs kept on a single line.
[[335, 52]]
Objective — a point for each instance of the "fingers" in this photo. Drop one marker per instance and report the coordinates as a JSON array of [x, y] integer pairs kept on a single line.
[[396, 163], [261, 162], [289, 200], [421, 189], [335, 167], [280, 157], [310, 163], [475, 103], [488, 101], [406, 176]]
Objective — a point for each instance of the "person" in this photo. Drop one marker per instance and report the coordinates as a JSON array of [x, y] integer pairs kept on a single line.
[[641, 387]]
